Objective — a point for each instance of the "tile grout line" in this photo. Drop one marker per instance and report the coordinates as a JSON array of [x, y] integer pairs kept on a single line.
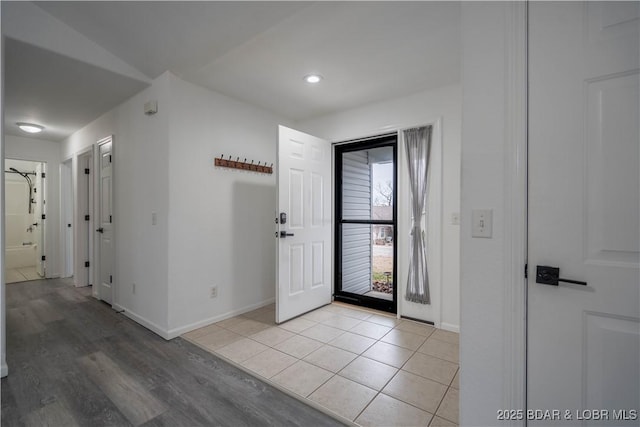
[[334, 374]]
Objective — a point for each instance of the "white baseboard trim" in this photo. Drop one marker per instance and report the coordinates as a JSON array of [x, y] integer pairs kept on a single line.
[[450, 327], [4, 370], [176, 332], [143, 321]]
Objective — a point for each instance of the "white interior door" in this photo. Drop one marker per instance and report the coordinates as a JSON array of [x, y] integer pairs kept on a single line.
[[303, 271], [584, 339], [39, 217], [105, 223]]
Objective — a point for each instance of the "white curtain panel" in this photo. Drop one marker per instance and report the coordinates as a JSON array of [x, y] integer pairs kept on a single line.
[[418, 146]]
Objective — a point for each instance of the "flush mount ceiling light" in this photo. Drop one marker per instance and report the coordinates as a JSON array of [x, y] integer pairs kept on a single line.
[[312, 78], [30, 127]]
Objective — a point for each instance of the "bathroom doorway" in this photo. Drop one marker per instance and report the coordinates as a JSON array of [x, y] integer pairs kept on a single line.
[[25, 215], [366, 223]]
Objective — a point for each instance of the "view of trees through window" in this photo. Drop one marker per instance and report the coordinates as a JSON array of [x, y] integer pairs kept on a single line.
[[382, 235]]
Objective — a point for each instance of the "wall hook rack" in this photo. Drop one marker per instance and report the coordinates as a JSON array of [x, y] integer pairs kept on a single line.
[[244, 165]]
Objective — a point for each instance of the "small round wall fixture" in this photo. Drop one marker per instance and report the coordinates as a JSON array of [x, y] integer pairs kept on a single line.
[[312, 78], [30, 127]]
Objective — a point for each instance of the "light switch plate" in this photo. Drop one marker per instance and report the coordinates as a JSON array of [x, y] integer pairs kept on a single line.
[[482, 225]]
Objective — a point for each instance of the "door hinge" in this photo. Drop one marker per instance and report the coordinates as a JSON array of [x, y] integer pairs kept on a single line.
[[87, 217], [87, 264], [109, 158], [110, 219], [44, 258], [86, 171], [526, 271], [110, 279], [44, 216], [43, 175]]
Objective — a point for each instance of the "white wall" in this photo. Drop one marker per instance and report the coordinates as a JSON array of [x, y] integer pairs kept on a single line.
[[420, 108], [214, 226], [37, 150], [141, 182], [483, 339], [221, 221]]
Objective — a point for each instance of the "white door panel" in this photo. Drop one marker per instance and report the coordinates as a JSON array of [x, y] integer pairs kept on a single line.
[[105, 221], [584, 208], [304, 195]]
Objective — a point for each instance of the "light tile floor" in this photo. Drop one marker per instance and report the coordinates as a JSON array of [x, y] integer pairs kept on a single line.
[[23, 274], [365, 366]]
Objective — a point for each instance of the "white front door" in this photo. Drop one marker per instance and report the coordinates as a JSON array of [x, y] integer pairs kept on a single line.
[[105, 223], [303, 176], [38, 197], [584, 150]]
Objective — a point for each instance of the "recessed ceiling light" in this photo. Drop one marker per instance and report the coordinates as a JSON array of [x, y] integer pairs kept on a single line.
[[312, 78], [30, 127]]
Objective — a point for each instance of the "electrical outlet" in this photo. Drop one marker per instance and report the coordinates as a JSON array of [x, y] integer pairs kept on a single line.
[[214, 292], [133, 288], [455, 218]]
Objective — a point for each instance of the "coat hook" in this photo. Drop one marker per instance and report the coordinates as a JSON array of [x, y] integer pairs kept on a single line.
[[222, 157], [251, 161], [258, 163], [271, 165], [229, 158], [237, 158], [245, 160]]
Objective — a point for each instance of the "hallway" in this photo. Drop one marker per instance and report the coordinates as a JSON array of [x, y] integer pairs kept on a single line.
[[73, 361]]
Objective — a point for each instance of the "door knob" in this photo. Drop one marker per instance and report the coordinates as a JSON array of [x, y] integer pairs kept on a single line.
[[284, 234], [100, 230], [551, 276]]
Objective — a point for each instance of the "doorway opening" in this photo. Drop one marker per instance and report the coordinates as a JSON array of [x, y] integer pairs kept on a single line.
[[25, 215], [366, 223]]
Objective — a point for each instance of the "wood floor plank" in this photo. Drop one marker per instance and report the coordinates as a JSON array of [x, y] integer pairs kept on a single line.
[[71, 295], [45, 311], [133, 400], [10, 412], [52, 415], [25, 320], [77, 357]]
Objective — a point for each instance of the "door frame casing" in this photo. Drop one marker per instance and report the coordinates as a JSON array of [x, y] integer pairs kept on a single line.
[[83, 235], [337, 207], [515, 209], [96, 208], [433, 222]]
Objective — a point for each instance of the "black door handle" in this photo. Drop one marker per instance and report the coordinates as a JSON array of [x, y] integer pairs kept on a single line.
[[284, 234], [551, 276], [100, 230]]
